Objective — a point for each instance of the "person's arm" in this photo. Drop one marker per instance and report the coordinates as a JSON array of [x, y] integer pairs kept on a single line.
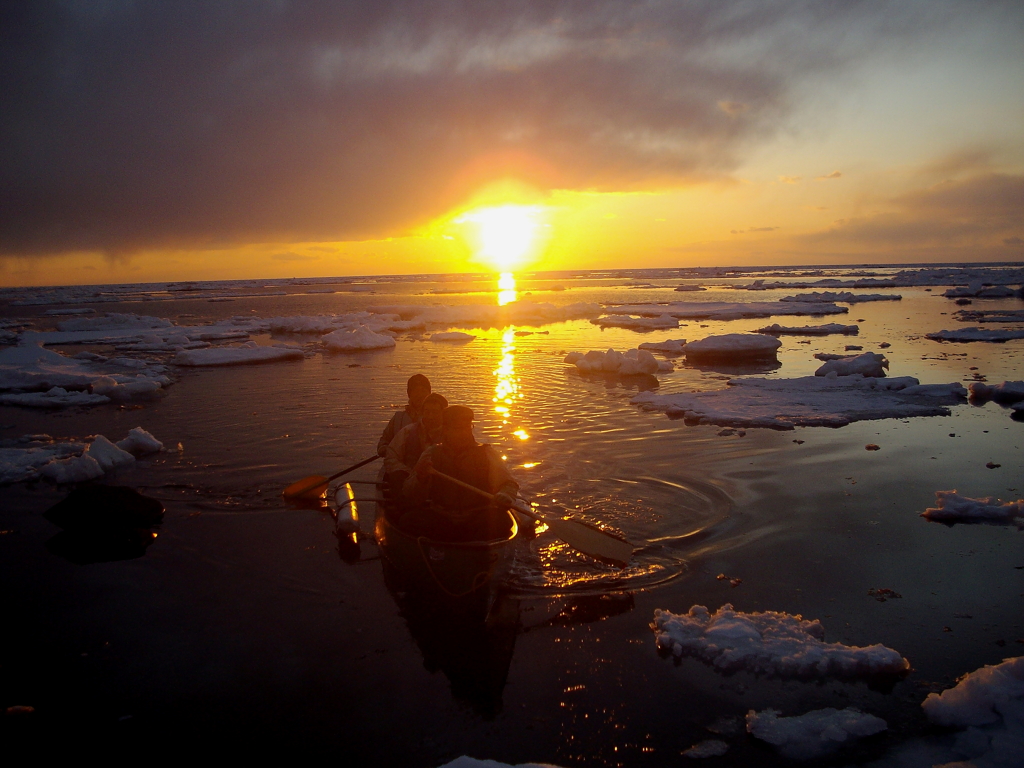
[[500, 481], [395, 451], [417, 485], [388, 436]]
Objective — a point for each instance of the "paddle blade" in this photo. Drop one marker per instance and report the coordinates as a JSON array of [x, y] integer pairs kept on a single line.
[[307, 488], [592, 541]]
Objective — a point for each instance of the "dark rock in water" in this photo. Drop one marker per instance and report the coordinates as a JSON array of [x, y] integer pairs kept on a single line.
[[104, 508], [102, 546]]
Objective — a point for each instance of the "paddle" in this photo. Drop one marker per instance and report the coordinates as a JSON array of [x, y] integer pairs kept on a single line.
[[584, 538], [314, 485]]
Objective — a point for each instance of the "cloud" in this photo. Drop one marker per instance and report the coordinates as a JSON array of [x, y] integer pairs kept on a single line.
[[974, 211], [289, 256], [790, 179], [752, 229], [1013, 241], [833, 175], [128, 126]]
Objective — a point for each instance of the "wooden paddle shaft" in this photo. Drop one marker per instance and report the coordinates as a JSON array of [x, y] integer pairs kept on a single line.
[[520, 507]]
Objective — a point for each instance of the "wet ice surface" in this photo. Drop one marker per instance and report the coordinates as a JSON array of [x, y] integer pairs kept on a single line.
[[243, 606]]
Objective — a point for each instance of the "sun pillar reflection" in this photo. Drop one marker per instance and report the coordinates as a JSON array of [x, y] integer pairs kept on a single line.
[[506, 288], [506, 386]]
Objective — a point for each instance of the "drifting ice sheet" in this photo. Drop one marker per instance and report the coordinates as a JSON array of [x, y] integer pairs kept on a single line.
[[357, 340], [633, 362], [952, 507], [809, 401], [814, 734], [725, 310], [733, 346], [869, 364], [976, 334], [34, 456], [845, 297], [810, 330], [1007, 392], [772, 643], [247, 354], [666, 347], [452, 336], [637, 323]]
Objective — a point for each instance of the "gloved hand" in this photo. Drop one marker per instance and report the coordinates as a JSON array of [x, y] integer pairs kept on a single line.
[[504, 500]]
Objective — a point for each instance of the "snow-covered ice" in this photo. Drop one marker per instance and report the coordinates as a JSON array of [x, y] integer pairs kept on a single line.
[[815, 733], [69, 461], [707, 748], [990, 315], [733, 346], [810, 401], [247, 354], [357, 340], [977, 289], [869, 364], [846, 297], [952, 507], [774, 643], [1007, 392], [725, 310], [661, 322], [809, 330], [977, 334], [521, 312], [55, 397], [456, 336], [666, 346], [632, 362]]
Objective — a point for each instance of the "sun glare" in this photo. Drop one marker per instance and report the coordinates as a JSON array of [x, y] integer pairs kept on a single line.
[[505, 235]]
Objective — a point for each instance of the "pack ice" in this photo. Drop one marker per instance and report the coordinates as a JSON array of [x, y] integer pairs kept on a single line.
[[733, 346], [725, 310], [632, 362], [808, 401], [814, 734], [40, 456], [951, 507], [772, 643], [996, 336]]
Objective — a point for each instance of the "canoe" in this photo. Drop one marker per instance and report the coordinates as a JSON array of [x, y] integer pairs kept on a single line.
[[462, 575]]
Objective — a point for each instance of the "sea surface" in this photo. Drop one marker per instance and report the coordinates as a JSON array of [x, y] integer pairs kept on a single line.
[[242, 630]]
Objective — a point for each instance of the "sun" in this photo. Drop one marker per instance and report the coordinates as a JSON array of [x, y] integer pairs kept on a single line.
[[506, 235]]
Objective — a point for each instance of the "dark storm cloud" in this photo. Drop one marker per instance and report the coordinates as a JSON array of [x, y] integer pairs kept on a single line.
[[126, 125], [974, 210]]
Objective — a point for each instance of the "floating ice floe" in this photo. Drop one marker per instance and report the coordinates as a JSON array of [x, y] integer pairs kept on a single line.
[[690, 288], [1007, 392], [456, 336], [666, 346], [633, 362], [725, 310], [356, 340], [733, 346], [521, 312], [990, 315], [814, 734], [810, 330], [989, 704], [83, 311], [809, 401], [248, 354], [869, 364], [707, 748], [977, 289], [637, 323], [951, 507], [36, 377], [471, 762], [773, 643], [976, 334], [846, 297], [761, 285], [39, 456]]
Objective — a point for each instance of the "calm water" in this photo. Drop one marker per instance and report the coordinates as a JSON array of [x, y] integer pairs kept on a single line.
[[241, 621]]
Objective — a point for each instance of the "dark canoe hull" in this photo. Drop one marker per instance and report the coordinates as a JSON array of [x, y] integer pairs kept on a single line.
[[460, 574]]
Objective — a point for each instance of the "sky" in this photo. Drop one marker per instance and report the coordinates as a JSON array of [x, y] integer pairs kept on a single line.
[[144, 141]]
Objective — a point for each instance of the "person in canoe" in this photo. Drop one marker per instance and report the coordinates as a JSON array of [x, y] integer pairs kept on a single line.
[[446, 512], [410, 442], [418, 387]]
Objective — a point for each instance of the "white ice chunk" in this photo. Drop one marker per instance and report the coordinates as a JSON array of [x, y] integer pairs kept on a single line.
[[869, 364], [107, 455], [114, 321], [809, 330], [733, 346], [773, 643], [452, 336], [667, 346], [356, 339], [813, 734], [56, 397], [707, 748], [809, 401], [845, 297], [637, 323], [951, 507], [977, 334], [244, 355], [978, 289], [140, 442], [631, 363], [1007, 392], [75, 469]]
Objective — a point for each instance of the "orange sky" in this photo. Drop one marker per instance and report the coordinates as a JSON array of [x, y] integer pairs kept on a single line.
[[655, 141]]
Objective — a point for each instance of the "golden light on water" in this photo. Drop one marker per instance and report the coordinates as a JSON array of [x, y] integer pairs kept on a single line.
[[506, 289], [506, 388]]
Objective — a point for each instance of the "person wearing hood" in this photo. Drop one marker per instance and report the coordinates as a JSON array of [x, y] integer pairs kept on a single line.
[[405, 450], [418, 387]]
